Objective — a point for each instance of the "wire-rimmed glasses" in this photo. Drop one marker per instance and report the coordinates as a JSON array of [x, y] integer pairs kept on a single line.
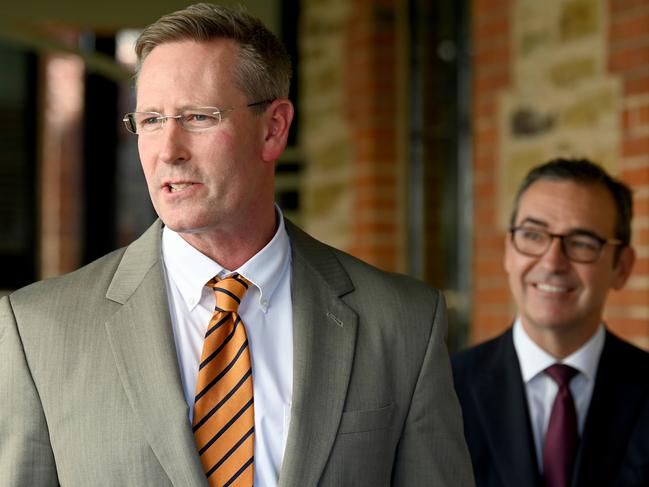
[[192, 119]]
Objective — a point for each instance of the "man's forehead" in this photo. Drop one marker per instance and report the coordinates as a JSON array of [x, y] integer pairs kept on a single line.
[[568, 205], [193, 73]]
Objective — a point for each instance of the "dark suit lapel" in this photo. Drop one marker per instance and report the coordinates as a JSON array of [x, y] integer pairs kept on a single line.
[[500, 399], [614, 409], [141, 337], [324, 337]]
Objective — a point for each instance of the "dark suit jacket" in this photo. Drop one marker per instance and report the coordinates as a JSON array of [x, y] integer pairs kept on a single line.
[[90, 390], [614, 448]]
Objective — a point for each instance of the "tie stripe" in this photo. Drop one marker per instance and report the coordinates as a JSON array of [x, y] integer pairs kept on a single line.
[[232, 450], [226, 340], [223, 422], [240, 472], [216, 326], [216, 408], [221, 374], [225, 427], [229, 294]]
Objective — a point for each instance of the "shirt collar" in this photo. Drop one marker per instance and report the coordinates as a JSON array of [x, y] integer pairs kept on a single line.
[[267, 267], [534, 360], [190, 269]]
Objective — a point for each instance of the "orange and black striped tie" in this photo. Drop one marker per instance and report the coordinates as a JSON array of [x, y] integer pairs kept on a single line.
[[224, 419]]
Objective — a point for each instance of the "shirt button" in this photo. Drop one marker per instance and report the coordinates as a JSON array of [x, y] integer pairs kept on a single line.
[[192, 301], [264, 302]]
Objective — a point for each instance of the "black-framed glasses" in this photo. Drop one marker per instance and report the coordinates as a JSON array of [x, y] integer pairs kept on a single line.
[[577, 246], [193, 119]]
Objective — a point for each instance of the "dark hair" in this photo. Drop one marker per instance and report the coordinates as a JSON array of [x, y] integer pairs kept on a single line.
[[583, 171], [264, 68]]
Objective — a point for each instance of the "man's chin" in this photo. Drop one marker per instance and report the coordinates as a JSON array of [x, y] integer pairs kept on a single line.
[[180, 225]]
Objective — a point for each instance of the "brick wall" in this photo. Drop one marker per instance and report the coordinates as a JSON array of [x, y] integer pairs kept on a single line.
[[350, 127], [325, 139], [374, 115], [629, 59], [625, 31], [60, 164], [491, 310]]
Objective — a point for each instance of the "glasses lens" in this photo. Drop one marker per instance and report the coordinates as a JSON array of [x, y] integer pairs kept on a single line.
[[530, 241], [143, 122], [582, 248], [197, 119], [129, 123]]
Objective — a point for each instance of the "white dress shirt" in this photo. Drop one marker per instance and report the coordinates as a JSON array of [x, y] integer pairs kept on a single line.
[[541, 390], [266, 312]]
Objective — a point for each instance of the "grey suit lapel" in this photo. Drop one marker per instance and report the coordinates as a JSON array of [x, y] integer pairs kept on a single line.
[[499, 398], [324, 337], [142, 342]]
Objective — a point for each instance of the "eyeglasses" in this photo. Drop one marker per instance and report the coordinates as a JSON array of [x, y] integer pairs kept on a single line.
[[196, 119], [579, 247]]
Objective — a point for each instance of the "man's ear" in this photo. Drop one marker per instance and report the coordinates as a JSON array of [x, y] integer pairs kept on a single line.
[[623, 267], [279, 116]]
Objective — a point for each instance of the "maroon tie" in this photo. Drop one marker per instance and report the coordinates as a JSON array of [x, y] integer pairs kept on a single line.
[[561, 438]]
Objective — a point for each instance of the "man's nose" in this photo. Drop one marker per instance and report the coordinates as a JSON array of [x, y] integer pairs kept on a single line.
[[173, 142], [555, 258]]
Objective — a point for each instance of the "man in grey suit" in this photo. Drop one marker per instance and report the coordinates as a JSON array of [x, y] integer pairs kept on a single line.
[[350, 373]]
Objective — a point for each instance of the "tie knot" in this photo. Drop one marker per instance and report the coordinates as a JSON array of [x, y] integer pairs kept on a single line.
[[229, 291], [562, 374]]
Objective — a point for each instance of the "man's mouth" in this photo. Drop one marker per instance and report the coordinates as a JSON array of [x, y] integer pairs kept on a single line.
[[549, 288], [175, 187]]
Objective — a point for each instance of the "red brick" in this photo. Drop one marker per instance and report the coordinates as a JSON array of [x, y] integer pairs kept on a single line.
[[630, 58], [636, 118], [375, 202], [375, 180], [637, 84], [486, 137], [629, 297], [489, 268], [491, 27], [628, 327], [633, 147], [638, 177], [498, 295], [492, 243], [374, 228], [493, 55], [641, 205], [641, 267], [623, 6], [485, 161], [492, 81], [632, 27], [485, 107], [484, 192], [490, 6]]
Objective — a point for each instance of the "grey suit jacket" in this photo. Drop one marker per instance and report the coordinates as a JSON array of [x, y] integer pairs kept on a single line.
[[91, 395]]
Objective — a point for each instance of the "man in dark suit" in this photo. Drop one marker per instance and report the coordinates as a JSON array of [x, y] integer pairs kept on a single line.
[[224, 346], [558, 400]]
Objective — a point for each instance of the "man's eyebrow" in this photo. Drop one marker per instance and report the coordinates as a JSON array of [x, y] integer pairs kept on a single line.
[[147, 109], [573, 231], [534, 221], [583, 231]]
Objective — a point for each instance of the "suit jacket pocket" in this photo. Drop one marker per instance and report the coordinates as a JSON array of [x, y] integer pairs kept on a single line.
[[366, 420]]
